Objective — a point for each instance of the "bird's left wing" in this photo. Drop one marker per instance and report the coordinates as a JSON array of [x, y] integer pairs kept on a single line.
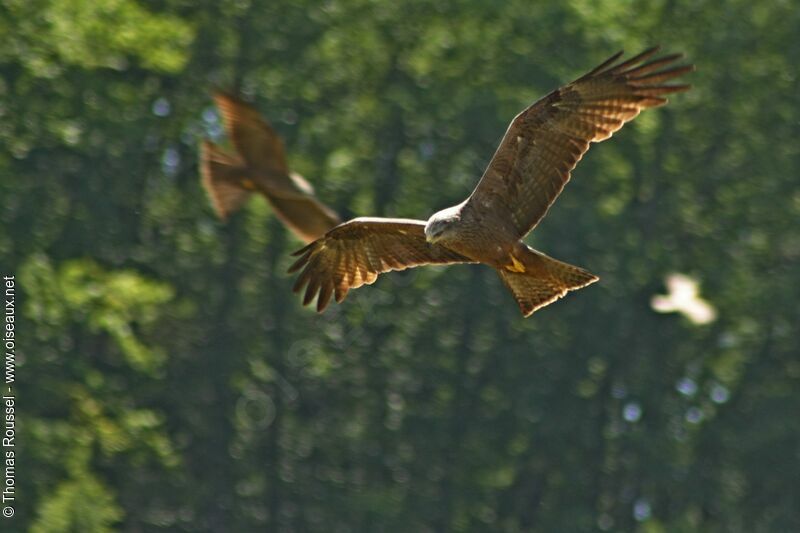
[[544, 142], [354, 253], [255, 140]]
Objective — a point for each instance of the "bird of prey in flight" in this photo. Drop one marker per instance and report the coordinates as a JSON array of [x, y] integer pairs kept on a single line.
[[527, 172], [259, 165]]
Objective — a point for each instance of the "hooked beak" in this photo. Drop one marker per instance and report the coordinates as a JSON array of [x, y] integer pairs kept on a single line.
[[433, 237]]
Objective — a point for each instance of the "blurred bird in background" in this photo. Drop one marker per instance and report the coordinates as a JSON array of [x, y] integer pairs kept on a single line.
[[683, 296], [259, 165]]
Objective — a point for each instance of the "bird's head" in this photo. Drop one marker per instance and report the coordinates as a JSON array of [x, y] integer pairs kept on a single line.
[[442, 223]]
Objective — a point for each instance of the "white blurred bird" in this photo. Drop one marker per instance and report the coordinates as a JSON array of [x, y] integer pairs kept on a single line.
[[683, 297]]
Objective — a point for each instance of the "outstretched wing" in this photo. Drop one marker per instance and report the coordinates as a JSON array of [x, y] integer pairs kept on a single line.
[[252, 136], [354, 253], [309, 218], [544, 143]]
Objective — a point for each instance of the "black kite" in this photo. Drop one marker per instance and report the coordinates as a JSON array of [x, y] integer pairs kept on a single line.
[[528, 171], [260, 165]]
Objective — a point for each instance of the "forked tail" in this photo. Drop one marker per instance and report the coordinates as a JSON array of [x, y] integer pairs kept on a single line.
[[544, 281], [222, 177]]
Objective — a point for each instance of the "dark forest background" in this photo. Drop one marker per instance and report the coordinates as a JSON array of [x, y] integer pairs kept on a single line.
[[168, 379]]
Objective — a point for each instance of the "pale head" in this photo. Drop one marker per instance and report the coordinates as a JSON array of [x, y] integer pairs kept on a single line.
[[441, 224]]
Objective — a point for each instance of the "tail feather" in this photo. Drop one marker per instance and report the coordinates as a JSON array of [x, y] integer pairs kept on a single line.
[[222, 177], [543, 285]]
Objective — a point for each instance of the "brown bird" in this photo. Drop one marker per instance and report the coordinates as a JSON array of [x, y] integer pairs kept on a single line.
[[259, 165], [528, 171]]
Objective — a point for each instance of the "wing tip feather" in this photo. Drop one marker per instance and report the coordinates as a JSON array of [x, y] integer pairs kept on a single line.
[[324, 298], [311, 291], [297, 265], [602, 66], [304, 249], [300, 282], [661, 75]]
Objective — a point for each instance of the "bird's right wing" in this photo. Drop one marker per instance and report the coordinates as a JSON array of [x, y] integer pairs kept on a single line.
[[258, 144], [354, 253]]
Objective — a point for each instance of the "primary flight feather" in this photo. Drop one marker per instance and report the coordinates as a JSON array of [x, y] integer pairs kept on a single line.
[[527, 172]]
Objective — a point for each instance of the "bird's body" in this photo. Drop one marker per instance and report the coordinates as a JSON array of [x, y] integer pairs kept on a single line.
[[260, 166], [527, 172], [487, 240]]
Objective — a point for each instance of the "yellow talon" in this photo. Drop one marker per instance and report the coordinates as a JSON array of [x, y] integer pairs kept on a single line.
[[515, 265]]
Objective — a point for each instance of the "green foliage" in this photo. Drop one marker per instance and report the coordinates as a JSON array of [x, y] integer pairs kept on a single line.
[[172, 382], [80, 503], [54, 34], [114, 303], [78, 315]]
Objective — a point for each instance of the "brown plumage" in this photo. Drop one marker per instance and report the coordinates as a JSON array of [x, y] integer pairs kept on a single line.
[[358, 250], [529, 169], [259, 165]]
